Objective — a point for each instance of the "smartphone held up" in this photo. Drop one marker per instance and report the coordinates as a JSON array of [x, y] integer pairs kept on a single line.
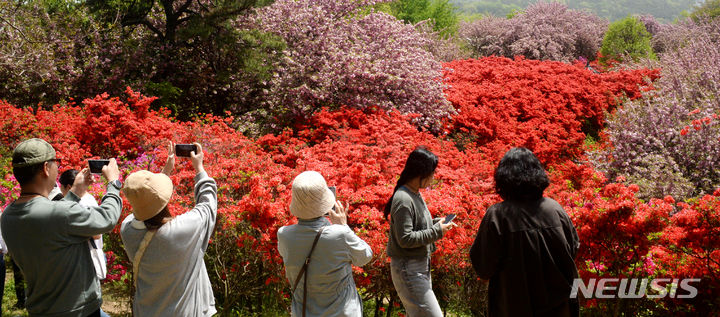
[[97, 165], [183, 150], [333, 190]]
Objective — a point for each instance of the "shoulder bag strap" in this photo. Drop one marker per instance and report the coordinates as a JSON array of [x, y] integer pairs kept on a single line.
[[138, 256], [303, 270]]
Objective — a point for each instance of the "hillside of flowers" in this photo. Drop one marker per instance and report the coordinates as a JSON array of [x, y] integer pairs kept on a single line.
[[362, 152], [632, 147]]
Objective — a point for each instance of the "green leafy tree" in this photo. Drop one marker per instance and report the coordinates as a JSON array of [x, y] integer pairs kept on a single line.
[[710, 9], [198, 56], [441, 13], [626, 38], [167, 18]]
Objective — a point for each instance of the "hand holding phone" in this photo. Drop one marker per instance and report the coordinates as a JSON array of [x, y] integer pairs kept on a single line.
[[449, 218], [97, 165], [183, 150], [338, 216]]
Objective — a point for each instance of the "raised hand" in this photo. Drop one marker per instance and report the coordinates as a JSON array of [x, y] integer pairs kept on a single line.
[[339, 215], [110, 171], [170, 163], [82, 181], [197, 158]]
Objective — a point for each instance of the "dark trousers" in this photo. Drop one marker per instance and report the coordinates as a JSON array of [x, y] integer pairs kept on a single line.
[[19, 284], [2, 277]]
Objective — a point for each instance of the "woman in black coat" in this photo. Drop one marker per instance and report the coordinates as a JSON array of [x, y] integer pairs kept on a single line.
[[526, 245]]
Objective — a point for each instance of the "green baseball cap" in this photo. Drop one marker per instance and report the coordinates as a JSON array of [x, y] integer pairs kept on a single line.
[[31, 152]]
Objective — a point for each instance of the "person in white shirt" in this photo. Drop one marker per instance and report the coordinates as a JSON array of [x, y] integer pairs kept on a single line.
[[325, 286]]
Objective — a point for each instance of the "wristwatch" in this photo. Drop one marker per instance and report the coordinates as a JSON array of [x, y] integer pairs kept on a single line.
[[116, 183]]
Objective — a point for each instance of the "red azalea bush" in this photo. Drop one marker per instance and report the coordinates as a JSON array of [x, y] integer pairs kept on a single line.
[[616, 230], [549, 107], [362, 153], [691, 249]]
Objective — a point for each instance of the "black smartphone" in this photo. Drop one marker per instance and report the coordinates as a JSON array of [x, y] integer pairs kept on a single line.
[[97, 165], [183, 150], [332, 189], [449, 218]]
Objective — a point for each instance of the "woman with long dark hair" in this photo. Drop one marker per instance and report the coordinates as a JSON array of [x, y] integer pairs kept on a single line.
[[526, 245], [413, 233]]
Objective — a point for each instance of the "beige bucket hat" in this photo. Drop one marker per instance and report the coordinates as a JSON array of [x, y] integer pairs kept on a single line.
[[311, 197], [148, 193]]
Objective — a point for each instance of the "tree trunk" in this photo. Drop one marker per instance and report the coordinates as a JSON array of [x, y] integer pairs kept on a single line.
[[390, 307], [378, 302]]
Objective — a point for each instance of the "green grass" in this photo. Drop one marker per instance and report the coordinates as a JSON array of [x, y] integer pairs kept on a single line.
[[9, 299], [110, 295]]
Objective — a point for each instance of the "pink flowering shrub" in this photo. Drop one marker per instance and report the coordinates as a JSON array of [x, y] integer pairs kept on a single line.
[[338, 56], [652, 25], [444, 48], [673, 36], [48, 58], [544, 31], [668, 142]]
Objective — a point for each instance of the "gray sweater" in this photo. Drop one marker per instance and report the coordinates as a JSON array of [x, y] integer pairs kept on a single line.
[[49, 242], [172, 278], [413, 231]]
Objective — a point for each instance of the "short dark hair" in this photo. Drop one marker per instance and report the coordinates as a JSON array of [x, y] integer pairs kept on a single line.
[[67, 178], [520, 176], [26, 174]]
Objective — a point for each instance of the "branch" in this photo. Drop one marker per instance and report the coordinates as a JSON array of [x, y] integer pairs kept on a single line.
[[169, 10], [180, 21], [146, 23], [184, 6], [14, 27], [203, 6]]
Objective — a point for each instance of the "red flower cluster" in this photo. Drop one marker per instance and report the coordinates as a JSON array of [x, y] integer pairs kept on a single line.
[[699, 124], [548, 107]]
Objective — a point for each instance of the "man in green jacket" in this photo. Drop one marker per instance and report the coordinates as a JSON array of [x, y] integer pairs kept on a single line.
[[48, 239]]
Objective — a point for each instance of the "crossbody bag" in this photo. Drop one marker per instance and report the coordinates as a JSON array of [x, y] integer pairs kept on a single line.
[[138, 256], [303, 271]]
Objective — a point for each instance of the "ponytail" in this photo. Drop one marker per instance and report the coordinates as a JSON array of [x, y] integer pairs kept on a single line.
[[401, 181]]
